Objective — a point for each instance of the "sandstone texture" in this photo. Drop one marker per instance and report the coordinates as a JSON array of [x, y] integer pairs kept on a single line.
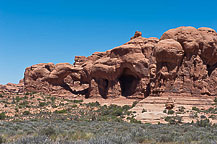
[[182, 62]]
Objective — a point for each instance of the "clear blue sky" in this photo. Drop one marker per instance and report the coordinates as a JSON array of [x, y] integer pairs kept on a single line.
[[41, 31]]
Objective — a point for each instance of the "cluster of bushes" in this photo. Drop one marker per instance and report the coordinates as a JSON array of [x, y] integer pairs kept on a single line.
[[82, 132]]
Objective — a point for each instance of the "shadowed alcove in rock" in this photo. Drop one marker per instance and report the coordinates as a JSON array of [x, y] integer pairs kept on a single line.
[[128, 82]]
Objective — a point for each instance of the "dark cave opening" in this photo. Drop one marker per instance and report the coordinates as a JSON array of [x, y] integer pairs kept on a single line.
[[210, 69], [128, 83]]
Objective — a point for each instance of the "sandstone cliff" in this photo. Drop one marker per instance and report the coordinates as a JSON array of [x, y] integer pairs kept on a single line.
[[182, 62]]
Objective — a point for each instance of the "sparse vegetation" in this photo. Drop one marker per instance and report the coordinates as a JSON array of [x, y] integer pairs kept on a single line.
[[2, 116], [173, 119], [26, 113], [73, 121], [181, 109], [77, 101], [215, 100], [134, 103], [196, 109], [170, 112], [41, 104], [61, 111], [62, 131]]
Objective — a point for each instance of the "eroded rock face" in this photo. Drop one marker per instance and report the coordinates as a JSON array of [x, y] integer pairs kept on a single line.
[[183, 61], [11, 88], [47, 78], [197, 69]]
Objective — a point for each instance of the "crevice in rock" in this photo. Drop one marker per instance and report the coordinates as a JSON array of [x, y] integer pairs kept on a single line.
[[148, 90], [103, 87]]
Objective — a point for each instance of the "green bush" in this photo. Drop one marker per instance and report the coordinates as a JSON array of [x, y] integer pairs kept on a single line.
[[215, 100], [2, 140], [49, 131], [18, 99], [24, 104], [77, 101], [53, 99], [41, 104], [2, 116], [170, 112], [173, 119], [196, 109], [214, 117], [26, 113], [1, 96], [74, 106], [126, 107], [134, 103], [61, 111], [203, 123], [30, 93], [93, 104], [181, 109]]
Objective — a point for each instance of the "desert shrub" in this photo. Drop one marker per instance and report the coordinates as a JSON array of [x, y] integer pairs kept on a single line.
[[113, 110], [77, 101], [24, 104], [196, 109], [18, 99], [203, 123], [47, 131], [60, 111], [144, 110], [165, 111], [2, 116], [181, 109], [93, 104], [215, 100], [26, 113], [1, 96], [214, 117], [170, 112], [173, 119], [74, 106], [17, 109], [134, 103], [54, 106], [53, 99], [165, 138], [33, 140], [61, 104], [98, 132], [126, 107], [42, 104], [202, 116], [133, 120], [2, 140], [30, 93], [210, 110]]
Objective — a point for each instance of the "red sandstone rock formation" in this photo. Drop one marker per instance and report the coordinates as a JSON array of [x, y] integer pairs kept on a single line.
[[183, 61], [11, 88]]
